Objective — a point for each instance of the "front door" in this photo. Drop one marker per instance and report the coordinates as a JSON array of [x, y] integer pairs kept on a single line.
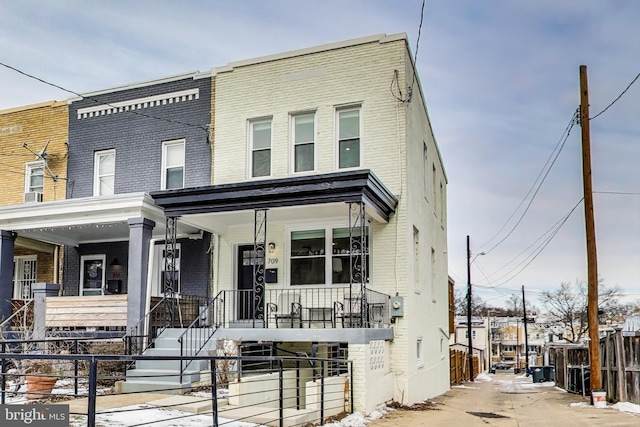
[[92, 274], [24, 275], [247, 301]]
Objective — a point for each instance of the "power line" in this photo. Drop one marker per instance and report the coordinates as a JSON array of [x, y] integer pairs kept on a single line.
[[623, 193], [399, 97], [415, 58], [97, 101], [551, 232], [619, 96], [535, 187]]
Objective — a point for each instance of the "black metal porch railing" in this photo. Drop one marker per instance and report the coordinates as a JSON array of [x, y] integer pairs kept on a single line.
[[199, 332], [278, 390], [319, 307], [187, 309]]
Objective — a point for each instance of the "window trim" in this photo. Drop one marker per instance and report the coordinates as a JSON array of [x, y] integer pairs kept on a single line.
[[96, 170], [337, 112], [292, 120], [419, 352], [425, 165], [251, 123], [165, 145], [29, 167]]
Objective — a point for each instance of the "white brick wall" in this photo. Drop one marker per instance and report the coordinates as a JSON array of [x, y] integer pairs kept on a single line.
[[391, 143]]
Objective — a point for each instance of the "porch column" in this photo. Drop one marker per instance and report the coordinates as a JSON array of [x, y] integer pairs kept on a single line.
[[139, 237], [259, 245], [7, 242], [358, 250]]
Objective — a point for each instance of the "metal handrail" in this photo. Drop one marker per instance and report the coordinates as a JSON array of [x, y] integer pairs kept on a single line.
[[6, 324], [132, 333], [204, 336]]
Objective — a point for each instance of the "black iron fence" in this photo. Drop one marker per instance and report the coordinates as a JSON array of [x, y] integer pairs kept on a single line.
[[320, 307], [276, 390]]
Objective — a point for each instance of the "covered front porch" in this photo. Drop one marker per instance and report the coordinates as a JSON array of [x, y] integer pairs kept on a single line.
[[313, 269]]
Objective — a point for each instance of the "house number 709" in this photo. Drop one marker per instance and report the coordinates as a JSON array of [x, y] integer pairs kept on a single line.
[[272, 260]]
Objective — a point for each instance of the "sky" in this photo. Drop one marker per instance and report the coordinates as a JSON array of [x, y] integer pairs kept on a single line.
[[501, 85]]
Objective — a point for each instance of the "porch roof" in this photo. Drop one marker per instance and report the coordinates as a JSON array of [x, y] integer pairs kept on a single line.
[[82, 220], [337, 187]]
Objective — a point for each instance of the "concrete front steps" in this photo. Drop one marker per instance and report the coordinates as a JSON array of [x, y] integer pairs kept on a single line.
[[163, 376]]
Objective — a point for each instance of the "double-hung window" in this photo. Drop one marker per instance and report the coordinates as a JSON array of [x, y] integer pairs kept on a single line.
[[104, 173], [260, 143], [34, 178], [323, 257], [348, 120], [303, 132], [173, 164]]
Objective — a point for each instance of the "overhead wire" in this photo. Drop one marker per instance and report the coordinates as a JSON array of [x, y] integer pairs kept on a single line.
[[616, 100], [535, 187], [415, 58], [399, 96], [98, 101], [538, 250]]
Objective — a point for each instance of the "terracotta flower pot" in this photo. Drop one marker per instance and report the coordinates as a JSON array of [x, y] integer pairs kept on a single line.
[[40, 386]]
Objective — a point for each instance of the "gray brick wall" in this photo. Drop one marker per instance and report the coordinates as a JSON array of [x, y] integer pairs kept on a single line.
[[194, 272], [137, 138]]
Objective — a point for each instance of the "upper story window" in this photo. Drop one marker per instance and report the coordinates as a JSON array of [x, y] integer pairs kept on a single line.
[[260, 143], [303, 136], [348, 120], [172, 164], [34, 178], [425, 165], [104, 173]]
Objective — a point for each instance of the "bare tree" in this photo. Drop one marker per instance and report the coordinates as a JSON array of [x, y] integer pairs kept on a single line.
[[478, 305], [567, 306]]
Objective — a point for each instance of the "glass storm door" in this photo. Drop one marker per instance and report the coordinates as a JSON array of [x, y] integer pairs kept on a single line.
[[24, 275]]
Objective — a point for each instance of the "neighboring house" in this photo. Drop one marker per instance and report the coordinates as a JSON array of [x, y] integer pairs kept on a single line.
[[123, 143], [298, 198], [33, 170], [479, 338]]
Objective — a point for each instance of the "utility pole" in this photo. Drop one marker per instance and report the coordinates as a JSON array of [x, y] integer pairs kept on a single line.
[[469, 311], [526, 335], [592, 263]]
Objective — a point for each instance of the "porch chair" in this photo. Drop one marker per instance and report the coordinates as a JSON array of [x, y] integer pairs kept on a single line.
[[287, 308], [349, 311]]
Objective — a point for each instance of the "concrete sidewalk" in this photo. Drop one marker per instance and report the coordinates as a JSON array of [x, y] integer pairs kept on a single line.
[[509, 401]]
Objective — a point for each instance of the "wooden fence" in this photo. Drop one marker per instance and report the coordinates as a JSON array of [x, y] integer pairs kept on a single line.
[[459, 366], [620, 366]]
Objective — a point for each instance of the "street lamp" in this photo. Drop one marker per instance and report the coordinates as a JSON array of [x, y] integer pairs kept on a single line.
[[469, 262]]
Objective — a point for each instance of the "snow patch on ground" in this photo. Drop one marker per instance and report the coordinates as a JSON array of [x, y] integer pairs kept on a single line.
[[627, 407], [483, 377]]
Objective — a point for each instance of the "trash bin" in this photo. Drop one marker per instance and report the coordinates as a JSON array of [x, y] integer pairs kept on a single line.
[[538, 374], [549, 373]]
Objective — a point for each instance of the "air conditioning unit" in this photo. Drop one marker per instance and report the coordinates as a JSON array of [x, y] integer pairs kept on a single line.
[[32, 197]]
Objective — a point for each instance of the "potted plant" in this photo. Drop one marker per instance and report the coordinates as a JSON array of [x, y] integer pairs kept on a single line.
[[41, 377]]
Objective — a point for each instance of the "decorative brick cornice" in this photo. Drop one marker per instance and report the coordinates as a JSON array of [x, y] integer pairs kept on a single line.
[[138, 103]]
